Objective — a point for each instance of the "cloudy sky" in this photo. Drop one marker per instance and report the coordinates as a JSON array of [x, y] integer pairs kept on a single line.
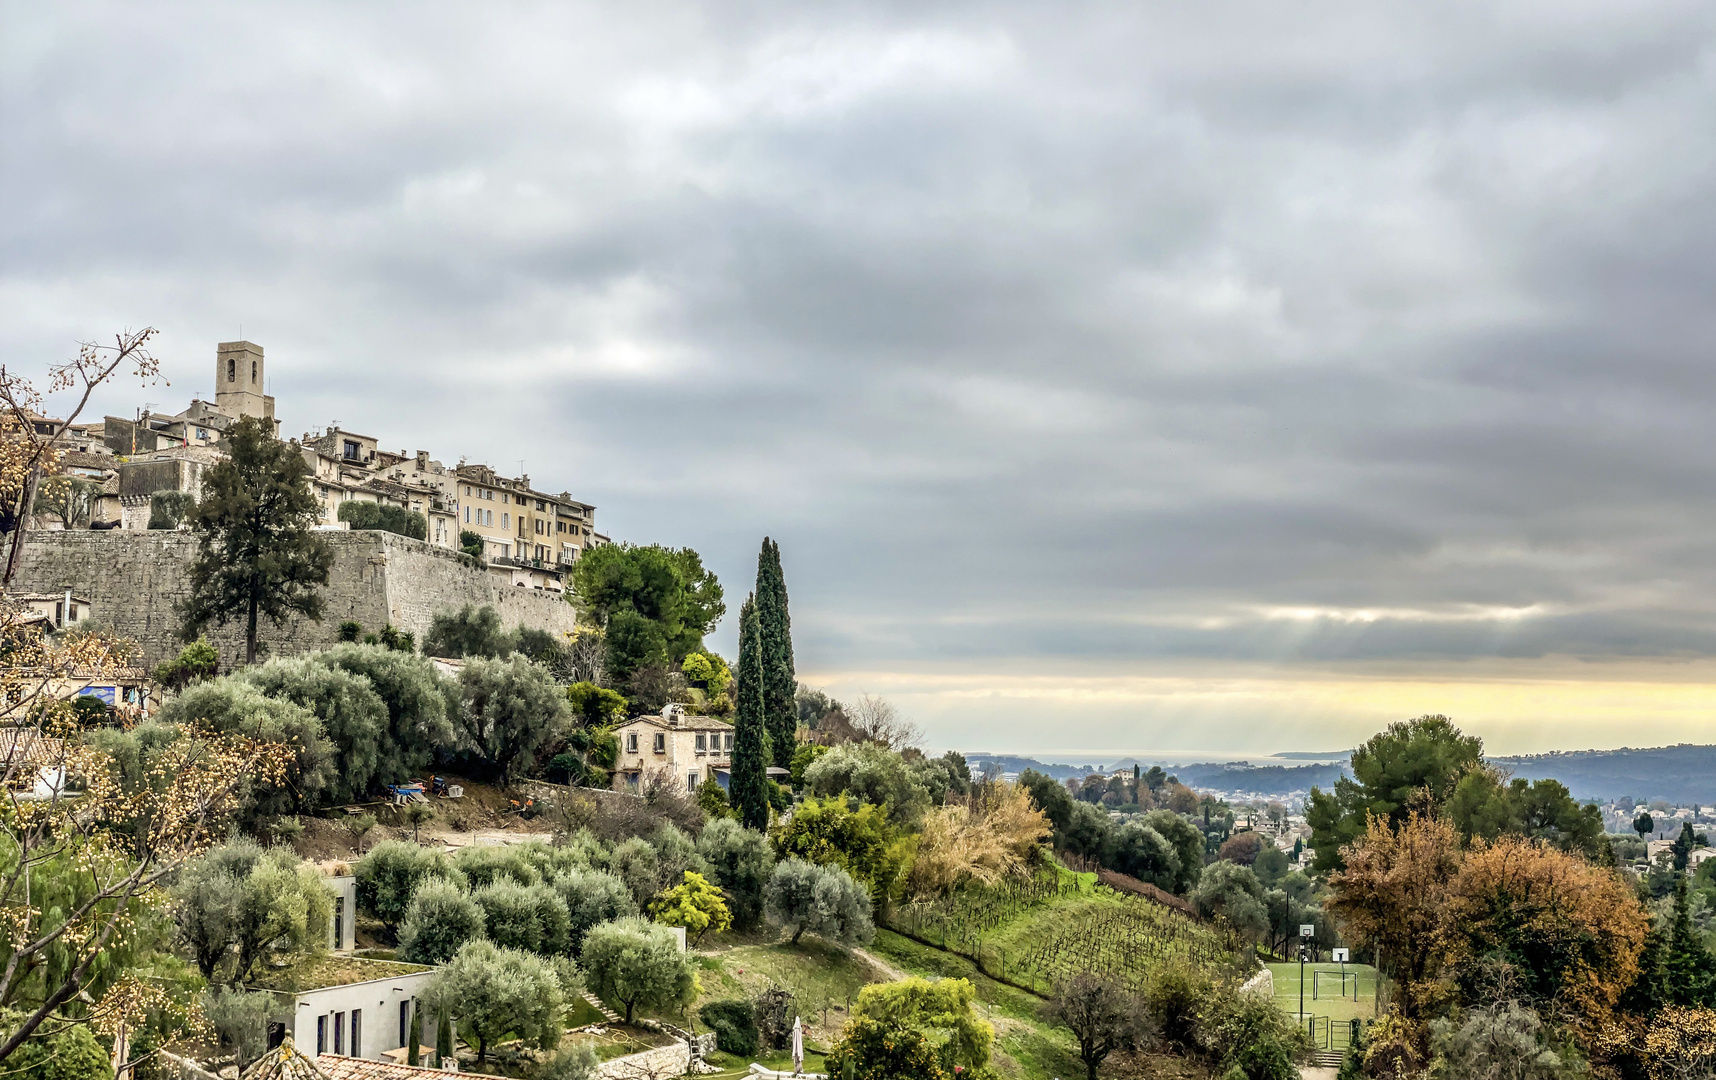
[[1221, 376]]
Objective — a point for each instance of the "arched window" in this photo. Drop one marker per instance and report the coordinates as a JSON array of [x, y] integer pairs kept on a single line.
[[231, 370], [253, 371]]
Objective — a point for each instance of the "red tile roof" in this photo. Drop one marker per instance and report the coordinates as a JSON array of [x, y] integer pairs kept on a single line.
[[349, 1068]]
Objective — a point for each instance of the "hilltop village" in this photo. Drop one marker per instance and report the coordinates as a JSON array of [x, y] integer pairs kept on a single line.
[[134, 474]]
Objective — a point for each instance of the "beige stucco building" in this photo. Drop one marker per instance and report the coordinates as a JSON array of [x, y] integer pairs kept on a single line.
[[687, 748]]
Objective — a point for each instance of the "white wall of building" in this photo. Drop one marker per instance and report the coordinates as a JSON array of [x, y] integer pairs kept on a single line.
[[378, 1002]]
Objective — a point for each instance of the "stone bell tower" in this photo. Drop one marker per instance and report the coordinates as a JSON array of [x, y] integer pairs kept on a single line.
[[240, 378]]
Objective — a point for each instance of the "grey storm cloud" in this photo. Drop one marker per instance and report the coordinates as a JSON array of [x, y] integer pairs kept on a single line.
[[1328, 331]]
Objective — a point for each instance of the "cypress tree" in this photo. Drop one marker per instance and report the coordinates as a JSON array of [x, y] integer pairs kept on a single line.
[[780, 709], [444, 1038], [1687, 965], [749, 789], [1683, 845], [412, 1035]]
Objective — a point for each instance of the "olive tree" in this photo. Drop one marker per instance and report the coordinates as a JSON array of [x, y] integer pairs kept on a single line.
[[530, 917], [512, 709], [241, 903], [441, 918], [420, 721], [825, 900], [741, 861], [637, 962], [353, 716], [592, 897], [391, 872], [232, 705], [493, 991]]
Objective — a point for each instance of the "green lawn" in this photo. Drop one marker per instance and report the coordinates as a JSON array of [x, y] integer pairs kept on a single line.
[[822, 979], [732, 1068], [1328, 1001]]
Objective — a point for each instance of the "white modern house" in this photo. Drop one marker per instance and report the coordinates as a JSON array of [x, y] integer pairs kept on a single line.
[[350, 1006]]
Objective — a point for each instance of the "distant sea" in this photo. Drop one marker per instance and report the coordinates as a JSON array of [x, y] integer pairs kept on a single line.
[[1174, 758]]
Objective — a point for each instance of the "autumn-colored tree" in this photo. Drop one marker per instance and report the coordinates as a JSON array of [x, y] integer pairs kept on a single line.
[[1567, 934], [1391, 897], [1681, 1044], [30, 441], [127, 831]]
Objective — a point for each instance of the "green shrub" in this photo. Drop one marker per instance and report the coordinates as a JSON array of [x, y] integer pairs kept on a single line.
[[388, 876], [89, 710], [438, 922], [70, 1053], [573, 1063], [484, 864], [869, 1050], [734, 1023], [195, 662]]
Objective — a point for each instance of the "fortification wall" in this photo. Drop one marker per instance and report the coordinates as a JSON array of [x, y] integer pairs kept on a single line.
[[134, 580]]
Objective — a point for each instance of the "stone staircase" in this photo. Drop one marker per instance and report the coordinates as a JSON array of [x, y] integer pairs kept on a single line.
[[1328, 1059], [596, 1003]]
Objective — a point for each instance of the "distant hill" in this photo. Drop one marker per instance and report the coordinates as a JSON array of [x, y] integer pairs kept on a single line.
[[979, 762], [1209, 776], [1681, 774], [1259, 779]]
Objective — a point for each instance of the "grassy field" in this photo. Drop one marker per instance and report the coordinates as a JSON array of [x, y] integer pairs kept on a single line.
[[732, 1068], [1328, 1002], [822, 979], [1027, 1045]]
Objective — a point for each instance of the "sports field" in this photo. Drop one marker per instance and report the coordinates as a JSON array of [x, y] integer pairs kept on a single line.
[[1328, 1000]]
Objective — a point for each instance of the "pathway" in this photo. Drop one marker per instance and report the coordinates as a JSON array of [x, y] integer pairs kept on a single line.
[[893, 973], [595, 1002]]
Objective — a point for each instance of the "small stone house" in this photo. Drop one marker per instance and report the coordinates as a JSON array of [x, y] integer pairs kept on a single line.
[[688, 748]]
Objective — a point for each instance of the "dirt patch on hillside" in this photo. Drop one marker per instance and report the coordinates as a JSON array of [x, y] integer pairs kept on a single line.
[[485, 814]]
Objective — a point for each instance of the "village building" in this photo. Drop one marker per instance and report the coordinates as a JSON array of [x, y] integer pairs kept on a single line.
[[529, 538], [686, 748]]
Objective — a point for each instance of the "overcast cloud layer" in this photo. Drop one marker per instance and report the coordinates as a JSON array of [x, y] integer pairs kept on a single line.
[[1084, 360]]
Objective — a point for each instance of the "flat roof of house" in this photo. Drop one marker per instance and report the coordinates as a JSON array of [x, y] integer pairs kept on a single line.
[[322, 972]]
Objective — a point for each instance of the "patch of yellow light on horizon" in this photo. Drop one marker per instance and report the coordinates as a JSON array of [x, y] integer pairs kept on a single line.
[[1494, 699]]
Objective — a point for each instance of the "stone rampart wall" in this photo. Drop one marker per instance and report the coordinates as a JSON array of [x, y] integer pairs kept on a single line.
[[134, 579]]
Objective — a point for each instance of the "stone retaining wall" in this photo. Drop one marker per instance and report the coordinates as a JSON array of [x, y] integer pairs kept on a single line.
[[134, 580], [657, 1064]]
